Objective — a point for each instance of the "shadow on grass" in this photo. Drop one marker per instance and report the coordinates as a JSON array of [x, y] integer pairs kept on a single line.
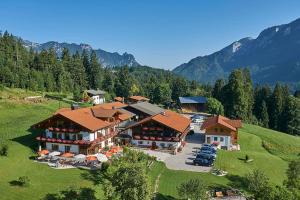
[[16, 183], [95, 176], [237, 181], [72, 193], [29, 140], [160, 196]]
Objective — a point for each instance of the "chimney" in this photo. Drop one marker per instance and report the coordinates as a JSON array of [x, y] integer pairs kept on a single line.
[[123, 100], [74, 106]]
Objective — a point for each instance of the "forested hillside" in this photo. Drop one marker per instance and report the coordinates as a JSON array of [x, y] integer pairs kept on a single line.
[[44, 71]]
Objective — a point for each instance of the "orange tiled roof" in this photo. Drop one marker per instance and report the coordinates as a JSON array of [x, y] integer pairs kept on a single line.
[[124, 116], [111, 105], [173, 120], [85, 116], [118, 99], [104, 113], [139, 98], [170, 119], [219, 119]]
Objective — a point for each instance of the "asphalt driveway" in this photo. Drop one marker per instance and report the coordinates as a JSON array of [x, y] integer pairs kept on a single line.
[[184, 159]]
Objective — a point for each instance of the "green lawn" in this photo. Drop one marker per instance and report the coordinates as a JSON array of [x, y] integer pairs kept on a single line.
[[16, 117]]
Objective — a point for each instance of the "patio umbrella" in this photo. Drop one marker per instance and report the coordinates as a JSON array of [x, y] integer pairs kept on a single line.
[[91, 158], [108, 154], [101, 157], [54, 153], [68, 155], [80, 157], [43, 152]]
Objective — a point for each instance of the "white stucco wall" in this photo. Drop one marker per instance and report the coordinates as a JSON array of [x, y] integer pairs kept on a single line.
[[158, 143], [226, 142], [98, 100], [61, 147]]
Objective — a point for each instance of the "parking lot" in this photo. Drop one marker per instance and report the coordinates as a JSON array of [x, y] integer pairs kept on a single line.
[[184, 159]]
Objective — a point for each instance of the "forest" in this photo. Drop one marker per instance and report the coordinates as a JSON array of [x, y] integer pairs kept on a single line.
[[235, 97]]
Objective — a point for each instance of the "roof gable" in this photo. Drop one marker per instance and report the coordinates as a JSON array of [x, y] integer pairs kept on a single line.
[[224, 121]]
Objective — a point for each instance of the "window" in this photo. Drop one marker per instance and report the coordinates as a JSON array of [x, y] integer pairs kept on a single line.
[[79, 137], [67, 148], [72, 136], [216, 129], [215, 139], [221, 130], [67, 136], [54, 135], [140, 142], [221, 139], [54, 147]]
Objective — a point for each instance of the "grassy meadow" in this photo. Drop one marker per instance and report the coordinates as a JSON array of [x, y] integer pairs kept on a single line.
[[271, 151]]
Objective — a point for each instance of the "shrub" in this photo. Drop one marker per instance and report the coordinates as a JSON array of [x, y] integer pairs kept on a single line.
[[246, 157], [4, 150], [24, 181]]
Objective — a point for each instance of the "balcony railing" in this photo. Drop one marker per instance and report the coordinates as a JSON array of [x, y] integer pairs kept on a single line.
[[80, 142], [156, 138], [66, 130]]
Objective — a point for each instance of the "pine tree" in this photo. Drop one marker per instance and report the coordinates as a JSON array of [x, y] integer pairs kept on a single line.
[[235, 103], [123, 83], [264, 116], [95, 75], [217, 89], [276, 107]]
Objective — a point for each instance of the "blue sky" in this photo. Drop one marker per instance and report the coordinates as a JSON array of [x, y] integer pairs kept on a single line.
[[159, 33]]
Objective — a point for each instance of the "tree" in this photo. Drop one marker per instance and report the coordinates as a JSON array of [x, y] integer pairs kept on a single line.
[[123, 83], [290, 121], [293, 175], [179, 88], [214, 106], [162, 94], [258, 184], [95, 73], [131, 183], [217, 89], [276, 106], [194, 189], [108, 81], [235, 102], [264, 116]]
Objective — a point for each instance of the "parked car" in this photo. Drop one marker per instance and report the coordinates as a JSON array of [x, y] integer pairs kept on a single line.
[[211, 149], [209, 153], [210, 146], [192, 127], [206, 156], [197, 120], [203, 162]]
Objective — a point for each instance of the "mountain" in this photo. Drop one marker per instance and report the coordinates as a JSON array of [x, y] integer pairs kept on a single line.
[[273, 56], [106, 58]]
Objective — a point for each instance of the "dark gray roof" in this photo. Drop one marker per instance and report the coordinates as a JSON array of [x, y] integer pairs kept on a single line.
[[198, 99], [147, 108], [126, 111], [95, 92]]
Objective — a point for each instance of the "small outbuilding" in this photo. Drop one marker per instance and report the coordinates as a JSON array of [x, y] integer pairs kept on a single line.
[[193, 104], [137, 99], [98, 96]]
